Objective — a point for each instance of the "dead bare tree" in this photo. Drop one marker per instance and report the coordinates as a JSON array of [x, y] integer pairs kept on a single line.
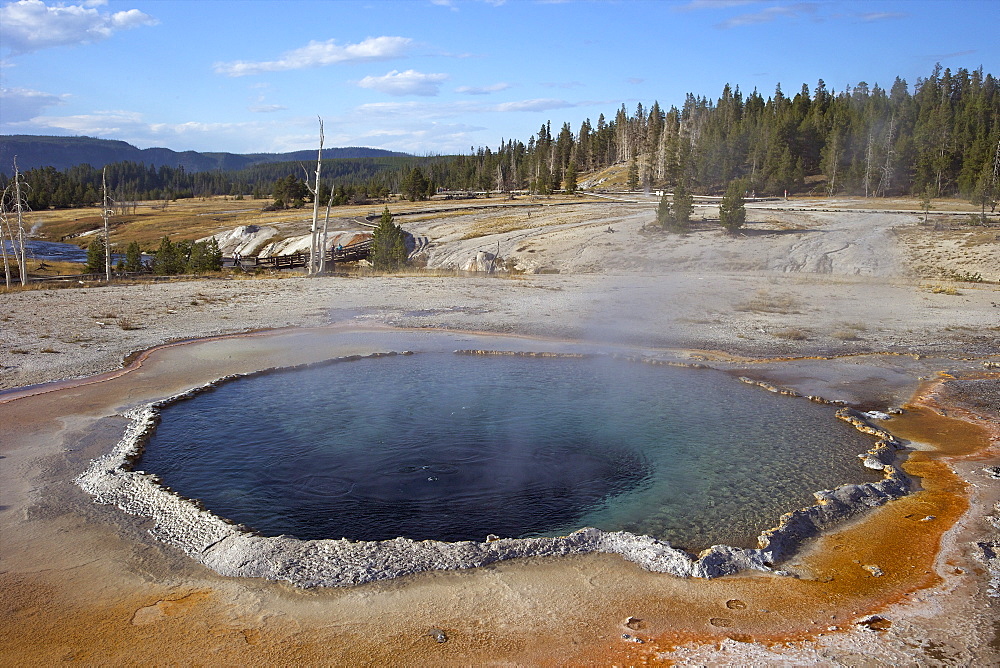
[[5, 223], [326, 231], [869, 152], [886, 179], [996, 178], [317, 247], [106, 215], [19, 248]]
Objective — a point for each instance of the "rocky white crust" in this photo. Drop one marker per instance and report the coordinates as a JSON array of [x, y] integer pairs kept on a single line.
[[233, 550]]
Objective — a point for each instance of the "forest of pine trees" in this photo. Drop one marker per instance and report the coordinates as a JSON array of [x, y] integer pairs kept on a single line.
[[130, 182], [942, 138]]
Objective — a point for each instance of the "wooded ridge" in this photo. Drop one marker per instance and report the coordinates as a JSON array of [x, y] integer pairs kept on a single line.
[[61, 153], [942, 138]]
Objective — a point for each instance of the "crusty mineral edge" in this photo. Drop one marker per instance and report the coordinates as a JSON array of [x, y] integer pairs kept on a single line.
[[232, 550], [540, 612], [861, 569]]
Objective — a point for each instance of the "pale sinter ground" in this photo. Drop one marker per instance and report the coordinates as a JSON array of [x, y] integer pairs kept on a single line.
[[796, 283]]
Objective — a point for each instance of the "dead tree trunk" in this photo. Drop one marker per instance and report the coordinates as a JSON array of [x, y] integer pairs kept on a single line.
[[106, 215], [996, 180], [22, 259], [326, 231], [868, 164], [4, 223], [317, 248], [886, 181]]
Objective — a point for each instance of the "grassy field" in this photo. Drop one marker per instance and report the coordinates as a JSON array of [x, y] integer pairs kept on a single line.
[[192, 219], [182, 219], [940, 253]]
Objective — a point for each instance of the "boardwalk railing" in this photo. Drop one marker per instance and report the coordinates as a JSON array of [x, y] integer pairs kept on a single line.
[[352, 253]]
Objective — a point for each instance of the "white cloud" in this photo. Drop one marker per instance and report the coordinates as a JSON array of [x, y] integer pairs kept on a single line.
[[23, 104], [869, 17], [540, 104], [695, 5], [266, 108], [562, 84], [135, 129], [316, 54], [769, 14], [390, 108], [409, 82], [439, 110], [99, 123], [415, 138], [482, 90], [30, 25]]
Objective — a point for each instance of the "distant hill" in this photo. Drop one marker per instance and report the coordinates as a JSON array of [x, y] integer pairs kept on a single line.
[[34, 151]]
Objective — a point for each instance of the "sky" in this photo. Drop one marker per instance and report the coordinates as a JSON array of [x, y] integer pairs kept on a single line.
[[433, 77]]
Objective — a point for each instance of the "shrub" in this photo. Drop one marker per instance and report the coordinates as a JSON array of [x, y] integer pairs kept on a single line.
[[388, 244], [95, 256], [732, 212]]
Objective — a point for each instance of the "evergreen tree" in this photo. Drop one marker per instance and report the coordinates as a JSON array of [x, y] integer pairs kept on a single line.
[[213, 255], [925, 201], [732, 212], [290, 193], [204, 256], [388, 251], [95, 256], [543, 181], [664, 212], [168, 259], [133, 257], [984, 193], [633, 176], [683, 205], [941, 135], [415, 185], [569, 180]]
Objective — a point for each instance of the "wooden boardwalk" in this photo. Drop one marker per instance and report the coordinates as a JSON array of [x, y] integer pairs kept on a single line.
[[352, 253]]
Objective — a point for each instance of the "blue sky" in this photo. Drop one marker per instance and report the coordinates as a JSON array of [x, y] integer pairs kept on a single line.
[[439, 76]]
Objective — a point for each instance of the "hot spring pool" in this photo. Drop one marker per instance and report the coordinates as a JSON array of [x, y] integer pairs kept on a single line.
[[452, 447]]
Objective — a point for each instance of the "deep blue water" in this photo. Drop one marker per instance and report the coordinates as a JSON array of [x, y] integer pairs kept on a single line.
[[447, 447], [51, 251]]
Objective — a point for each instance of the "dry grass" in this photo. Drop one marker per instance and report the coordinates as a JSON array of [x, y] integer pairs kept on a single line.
[[127, 324], [953, 252], [849, 331], [891, 203], [183, 219], [791, 334], [432, 216], [614, 176], [17, 287], [944, 290], [766, 302], [844, 334], [499, 225], [191, 219], [37, 268]]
